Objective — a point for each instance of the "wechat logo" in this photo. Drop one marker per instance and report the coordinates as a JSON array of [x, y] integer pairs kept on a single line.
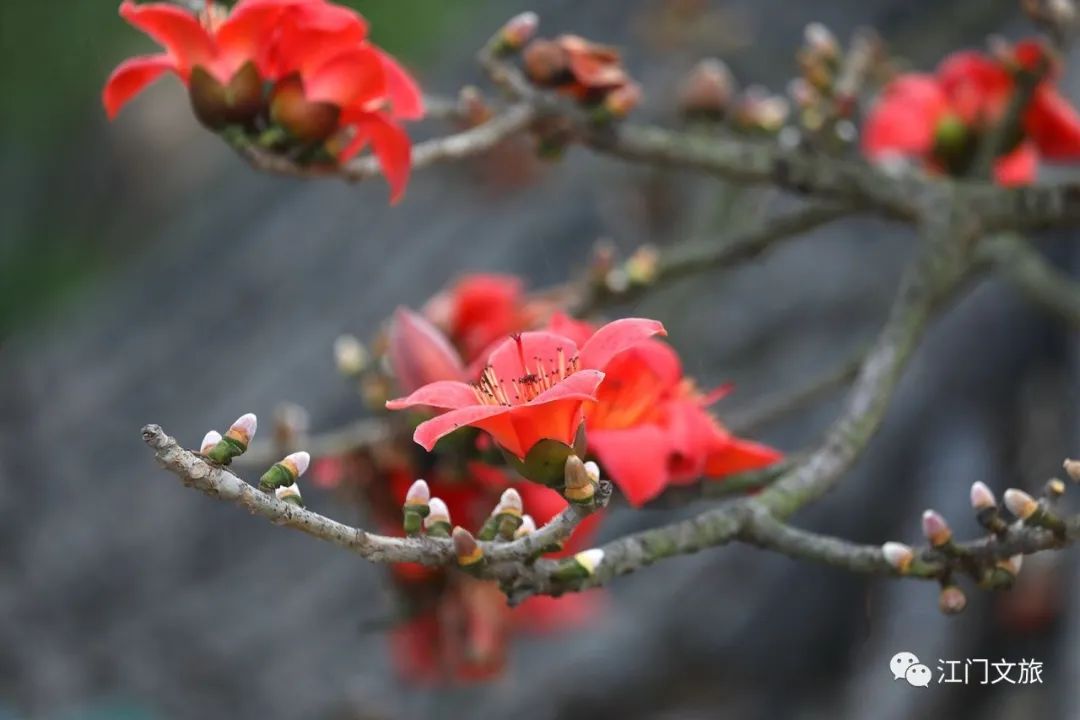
[[906, 666]]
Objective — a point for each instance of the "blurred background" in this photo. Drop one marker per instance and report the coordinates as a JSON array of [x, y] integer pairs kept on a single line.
[[148, 275]]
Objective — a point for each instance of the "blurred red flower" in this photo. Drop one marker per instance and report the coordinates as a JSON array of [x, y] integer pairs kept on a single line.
[[533, 388], [941, 118], [649, 427], [481, 309], [461, 627], [329, 84]]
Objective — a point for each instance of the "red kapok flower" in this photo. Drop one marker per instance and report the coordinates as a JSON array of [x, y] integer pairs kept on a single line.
[[649, 427], [941, 118], [532, 389], [481, 309], [328, 83], [419, 353]]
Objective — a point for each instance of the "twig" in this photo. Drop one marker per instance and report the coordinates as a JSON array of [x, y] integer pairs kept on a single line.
[[774, 407], [458, 146], [195, 471], [680, 261], [1026, 270], [349, 438]]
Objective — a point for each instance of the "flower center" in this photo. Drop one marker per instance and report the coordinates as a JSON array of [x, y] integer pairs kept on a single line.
[[540, 375]]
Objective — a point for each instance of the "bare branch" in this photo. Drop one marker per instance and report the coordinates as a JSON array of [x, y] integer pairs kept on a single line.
[[1023, 267], [195, 471], [458, 146]]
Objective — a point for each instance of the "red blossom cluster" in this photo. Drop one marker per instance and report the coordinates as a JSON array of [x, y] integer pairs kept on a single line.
[[590, 73], [616, 386], [941, 119], [295, 74]]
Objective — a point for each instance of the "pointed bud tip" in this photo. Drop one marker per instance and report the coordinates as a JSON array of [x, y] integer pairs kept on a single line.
[[419, 494], [438, 509], [299, 460], [590, 559], [350, 356], [209, 440], [935, 528], [1072, 468], [898, 555], [527, 527], [982, 496], [1020, 503], [247, 423], [287, 491], [952, 600], [511, 500], [1012, 564]]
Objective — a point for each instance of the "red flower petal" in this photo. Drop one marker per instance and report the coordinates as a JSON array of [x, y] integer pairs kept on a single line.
[[492, 418], [740, 455], [419, 353], [1053, 123], [352, 78], [517, 356], [904, 119], [635, 458], [406, 100], [130, 78], [391, 146], [615, 337], [1018, 167], [177, 30], [444, 394]]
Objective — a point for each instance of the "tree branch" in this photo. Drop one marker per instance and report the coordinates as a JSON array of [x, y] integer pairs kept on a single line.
[[458, 146], [1025, 269], [195, 471]]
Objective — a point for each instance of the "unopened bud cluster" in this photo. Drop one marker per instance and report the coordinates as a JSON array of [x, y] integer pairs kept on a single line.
[[585, 71]]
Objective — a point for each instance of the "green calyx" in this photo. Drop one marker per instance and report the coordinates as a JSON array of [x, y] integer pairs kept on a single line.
[[225, 451], [545, 463], [277, 476]]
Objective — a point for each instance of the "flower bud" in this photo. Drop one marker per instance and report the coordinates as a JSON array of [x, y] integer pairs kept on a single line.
[[527, 527], [619, 102], [643, 266], [593, 470], [1072, 468], [437, 523], [935, 528], [419, 353], [707, 90], [952, 600], [470, 556], [982, 497], [899, 555], [236, 103], [821, 41], [546, 63], [285, 472], [579, 487], [508, 514], [305, 120], [580, 566], [236, 440], [416, 507], [350, 356], [1054, 489], [1020, 503], [519, 30], [209, 440], [289, 494]]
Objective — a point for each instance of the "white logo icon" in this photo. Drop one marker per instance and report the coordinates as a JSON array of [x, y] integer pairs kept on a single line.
[[900, 663], [918, 675]]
